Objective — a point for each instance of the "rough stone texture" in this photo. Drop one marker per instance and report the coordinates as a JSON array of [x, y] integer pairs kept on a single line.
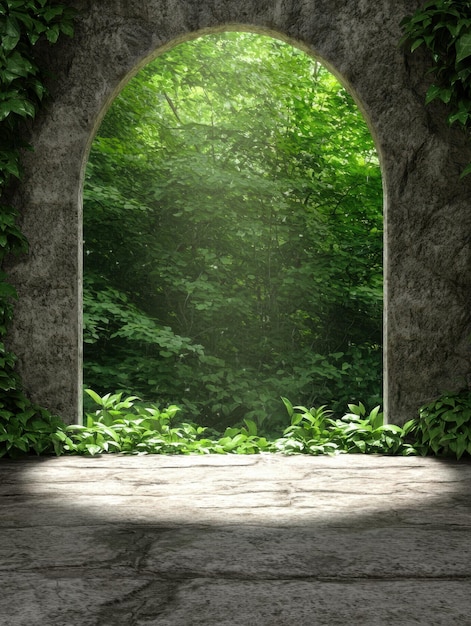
[[427, 216], [226, 540]]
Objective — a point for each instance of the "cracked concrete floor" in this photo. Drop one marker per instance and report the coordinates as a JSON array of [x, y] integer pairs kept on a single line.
[[235, 540]]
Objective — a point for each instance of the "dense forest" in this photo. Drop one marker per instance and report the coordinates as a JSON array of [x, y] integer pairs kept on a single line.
[[233, 236]]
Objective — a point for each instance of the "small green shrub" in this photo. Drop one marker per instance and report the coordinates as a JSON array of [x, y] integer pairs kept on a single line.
[[132, 427], [244, 440], [308, 432], [358, 431], [26, 428], [313, 431], [444, 425], [129, 427]]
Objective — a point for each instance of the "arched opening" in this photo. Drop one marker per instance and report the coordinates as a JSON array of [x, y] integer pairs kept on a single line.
[[256, 230]]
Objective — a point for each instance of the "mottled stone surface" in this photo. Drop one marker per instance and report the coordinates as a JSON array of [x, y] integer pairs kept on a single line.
[[427, 216], [235, 540]]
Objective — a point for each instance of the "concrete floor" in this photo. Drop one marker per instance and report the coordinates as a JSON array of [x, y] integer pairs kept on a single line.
[[235, 540]]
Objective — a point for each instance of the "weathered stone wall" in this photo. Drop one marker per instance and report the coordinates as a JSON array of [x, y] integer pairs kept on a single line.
[[427, 208]]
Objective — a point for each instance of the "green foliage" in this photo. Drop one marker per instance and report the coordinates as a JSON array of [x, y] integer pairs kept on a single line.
[[314, 431], [367, 433], [443, 27], [308, 432], [22, 25], [444, 425], [24, 427], [131, 348], [130, 426], [232, 207]]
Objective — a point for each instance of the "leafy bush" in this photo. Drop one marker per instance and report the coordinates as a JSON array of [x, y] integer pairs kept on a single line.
[[129, 426], [126, 427], [308, 431], [444, 425], [132, 427], [312, 431], [26, 428], [367, 433]]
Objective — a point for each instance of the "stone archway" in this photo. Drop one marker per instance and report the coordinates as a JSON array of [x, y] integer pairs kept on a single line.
[[427, 317]]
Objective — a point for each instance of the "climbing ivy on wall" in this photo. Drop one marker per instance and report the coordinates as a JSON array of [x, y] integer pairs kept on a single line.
[[23, 24], [443, 27]]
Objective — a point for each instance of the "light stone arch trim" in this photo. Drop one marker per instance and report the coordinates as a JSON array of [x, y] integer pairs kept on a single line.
[[427, 208]]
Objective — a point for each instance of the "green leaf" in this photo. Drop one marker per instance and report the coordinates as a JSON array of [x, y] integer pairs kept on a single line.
[[52, 12], [21, 107], [391, 428], [60, 435], [288, 405], [94, 396], [461, 446], [7, 290], [376, 417], [93, 449], [357, 409], [53, 33], [19, 65], [67, 29], [463, 47], [9, 42], [436, 91], [251, 427], [466, 171], [461, 116], [416, 44]]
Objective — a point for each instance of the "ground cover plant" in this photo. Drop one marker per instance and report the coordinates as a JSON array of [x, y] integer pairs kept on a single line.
[[444, 425], [129, 426], [122, 424]]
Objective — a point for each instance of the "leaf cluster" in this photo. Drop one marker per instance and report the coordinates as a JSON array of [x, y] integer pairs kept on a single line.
[[26, 428], [443, 27], [315, 431], [22, 25], [130, 427], [444, 425], [127, 425]]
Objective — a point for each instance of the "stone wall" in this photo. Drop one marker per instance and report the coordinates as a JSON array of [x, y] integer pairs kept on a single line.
[[427, 208]]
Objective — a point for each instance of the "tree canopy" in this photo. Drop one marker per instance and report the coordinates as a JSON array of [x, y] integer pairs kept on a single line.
[[233, 235]]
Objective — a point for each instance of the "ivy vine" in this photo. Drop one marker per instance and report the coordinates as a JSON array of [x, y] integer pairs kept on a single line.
[[443, 27], [23, 23]]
